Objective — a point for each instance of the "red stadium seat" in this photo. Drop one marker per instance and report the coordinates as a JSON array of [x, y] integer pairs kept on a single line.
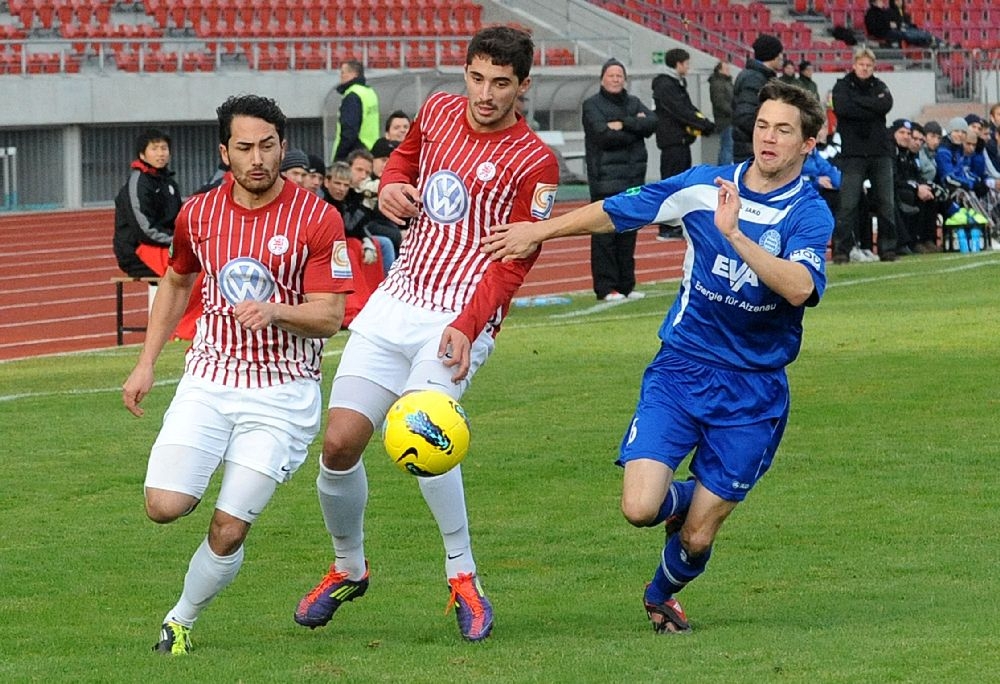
[[419, 54]]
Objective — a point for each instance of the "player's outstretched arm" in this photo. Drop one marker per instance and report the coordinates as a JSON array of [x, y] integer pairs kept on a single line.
[[518, 240], [168, 306], [398, 202], [789, 279]]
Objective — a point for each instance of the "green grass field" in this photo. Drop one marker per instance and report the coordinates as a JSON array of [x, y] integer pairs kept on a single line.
[[868, 553]]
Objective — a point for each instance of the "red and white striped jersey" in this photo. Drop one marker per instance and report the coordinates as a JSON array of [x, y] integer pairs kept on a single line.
[[280, 252], [468, 182]]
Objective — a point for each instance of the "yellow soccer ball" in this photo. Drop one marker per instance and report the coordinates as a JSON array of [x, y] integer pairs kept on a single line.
[[426, 433]]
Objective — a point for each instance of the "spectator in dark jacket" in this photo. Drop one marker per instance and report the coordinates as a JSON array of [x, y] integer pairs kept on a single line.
[[720, 91], [145, 208], [861, 102], [679, 123], [805, 80], [892, 26], [767, 58], [615, 126]]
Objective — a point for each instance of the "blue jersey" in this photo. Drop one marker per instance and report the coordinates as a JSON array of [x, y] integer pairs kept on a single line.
[[724, 315]]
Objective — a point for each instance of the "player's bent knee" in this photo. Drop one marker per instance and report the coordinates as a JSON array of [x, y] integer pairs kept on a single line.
[[696, 542], [338, 454], [164, 507], [638, 514], [226, 533], [347, 434]]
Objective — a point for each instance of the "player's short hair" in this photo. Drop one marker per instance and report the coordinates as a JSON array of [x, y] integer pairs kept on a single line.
[[150, 135], [249, 105], [810, 111], [504, 46]]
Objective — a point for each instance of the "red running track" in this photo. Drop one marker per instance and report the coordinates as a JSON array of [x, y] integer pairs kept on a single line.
[[56, 295]]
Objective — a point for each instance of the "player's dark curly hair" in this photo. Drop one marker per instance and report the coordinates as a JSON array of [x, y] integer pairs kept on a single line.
[[249, 105], [811, 112], [503, 45]]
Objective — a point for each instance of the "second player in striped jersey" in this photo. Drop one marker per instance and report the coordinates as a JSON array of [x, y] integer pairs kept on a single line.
[[467, 163]]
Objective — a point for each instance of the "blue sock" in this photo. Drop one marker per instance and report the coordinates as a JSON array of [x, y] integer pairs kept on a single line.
[[676, 570], [678, 500]]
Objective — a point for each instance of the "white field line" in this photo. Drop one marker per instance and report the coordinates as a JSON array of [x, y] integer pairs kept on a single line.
[[563, 319], [97, 390]]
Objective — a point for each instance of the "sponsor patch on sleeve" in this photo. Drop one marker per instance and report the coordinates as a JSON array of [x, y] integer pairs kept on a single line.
[[807, 256], [542, 200], [340, 263]]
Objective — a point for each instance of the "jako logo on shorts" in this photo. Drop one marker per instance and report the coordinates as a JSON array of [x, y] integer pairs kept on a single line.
[[245, 279]]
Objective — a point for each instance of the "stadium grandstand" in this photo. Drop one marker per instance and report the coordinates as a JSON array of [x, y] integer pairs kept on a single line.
[[81, 77]]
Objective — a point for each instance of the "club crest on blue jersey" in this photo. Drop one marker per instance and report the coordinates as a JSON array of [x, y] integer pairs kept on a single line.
[[245, 279], [771, 241], [445, 198]]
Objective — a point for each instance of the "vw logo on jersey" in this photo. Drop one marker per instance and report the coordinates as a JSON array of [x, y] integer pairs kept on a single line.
[[446, 200], [771, 241], [245, 279]]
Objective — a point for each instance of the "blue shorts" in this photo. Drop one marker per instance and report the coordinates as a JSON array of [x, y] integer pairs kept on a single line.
[[732, 420]]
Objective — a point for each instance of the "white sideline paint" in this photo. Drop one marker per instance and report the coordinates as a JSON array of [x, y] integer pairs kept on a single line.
[[601, 307], [74, 392], [554, 319], [98, 390]]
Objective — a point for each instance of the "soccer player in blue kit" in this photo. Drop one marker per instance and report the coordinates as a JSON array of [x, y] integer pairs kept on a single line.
[[757, 237]]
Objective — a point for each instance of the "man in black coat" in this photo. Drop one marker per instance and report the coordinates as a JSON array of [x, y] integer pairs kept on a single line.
[[767, 58], [615, 126], [679, 123], [861, 102]]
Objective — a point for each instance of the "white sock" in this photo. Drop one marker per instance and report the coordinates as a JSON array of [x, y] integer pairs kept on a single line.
[[343, 495], [207, 575], [445, 496]]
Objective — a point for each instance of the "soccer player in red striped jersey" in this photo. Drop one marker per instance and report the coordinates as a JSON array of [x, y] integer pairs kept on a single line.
[[467, 162], [276, 277]]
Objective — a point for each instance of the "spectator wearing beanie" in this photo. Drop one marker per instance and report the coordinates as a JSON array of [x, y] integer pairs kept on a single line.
[[767, 59], [381, 150], [315, 173], [295, 166]]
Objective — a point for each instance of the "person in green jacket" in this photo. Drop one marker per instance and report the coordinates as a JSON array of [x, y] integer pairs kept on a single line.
[[358, 120]]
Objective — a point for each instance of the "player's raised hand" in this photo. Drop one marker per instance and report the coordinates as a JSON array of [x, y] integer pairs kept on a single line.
[[136, 387], [510, 241], [727, 214], [399, 202]]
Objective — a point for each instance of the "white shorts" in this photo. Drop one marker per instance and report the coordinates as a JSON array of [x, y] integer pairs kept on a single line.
[[402, 356], [267, 430]]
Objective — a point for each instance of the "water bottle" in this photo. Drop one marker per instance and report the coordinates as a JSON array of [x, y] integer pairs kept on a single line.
[[961, 238], [541, 301], [975, 239]]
